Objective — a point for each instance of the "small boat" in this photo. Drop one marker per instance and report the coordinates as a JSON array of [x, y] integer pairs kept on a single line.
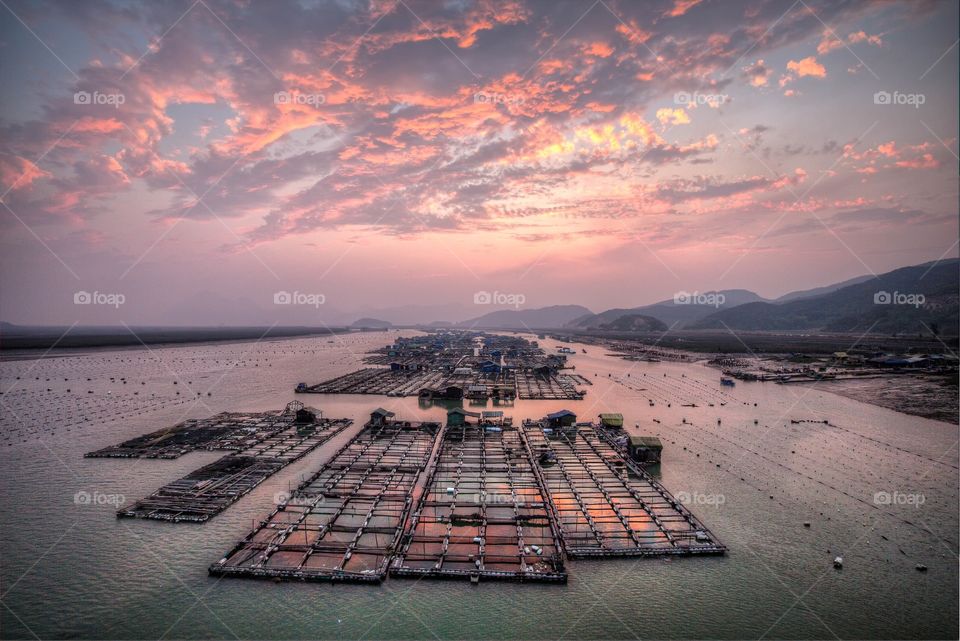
[[838, 562]]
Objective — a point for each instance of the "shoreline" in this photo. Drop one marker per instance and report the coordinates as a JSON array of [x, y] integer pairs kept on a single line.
[[27, 345]]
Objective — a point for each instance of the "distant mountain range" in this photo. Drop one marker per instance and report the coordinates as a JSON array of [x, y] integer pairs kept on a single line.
[[921, 298], [674, 314], [553, 317]]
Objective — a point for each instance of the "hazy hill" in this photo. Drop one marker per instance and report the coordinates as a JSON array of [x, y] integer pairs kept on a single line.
[[370, 323], [635, 323], [672, 314], [818, 291], [551, 317], [861, 307]]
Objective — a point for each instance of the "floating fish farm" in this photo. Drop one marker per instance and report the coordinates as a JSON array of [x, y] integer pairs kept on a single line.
[[481, 500], [262, 444], [344, 522], [458, 365], [483, 513]]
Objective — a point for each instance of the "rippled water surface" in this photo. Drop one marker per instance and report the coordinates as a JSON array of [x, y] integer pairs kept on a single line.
[[878, 487]]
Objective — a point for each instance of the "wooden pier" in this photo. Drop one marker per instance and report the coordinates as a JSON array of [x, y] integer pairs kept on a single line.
[[605, 504], [344, 522], [483, 513]]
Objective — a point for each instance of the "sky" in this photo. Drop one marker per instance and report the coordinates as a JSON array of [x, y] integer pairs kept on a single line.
[[243, 161]]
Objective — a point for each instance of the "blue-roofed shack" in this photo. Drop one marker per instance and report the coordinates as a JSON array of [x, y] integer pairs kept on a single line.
[[563, 418]]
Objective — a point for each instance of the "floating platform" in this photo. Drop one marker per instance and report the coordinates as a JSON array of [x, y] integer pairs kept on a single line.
[[225, 431], [452, 365], [209, 490], [344, 522], [469, 501], [607, 506], [483, 513]]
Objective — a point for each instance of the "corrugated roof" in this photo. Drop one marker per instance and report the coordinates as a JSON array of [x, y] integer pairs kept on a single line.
[[613, 420], [646, 441]]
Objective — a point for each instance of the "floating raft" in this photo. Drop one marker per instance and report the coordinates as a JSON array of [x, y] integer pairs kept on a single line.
[[483, 513], [207, 491], [476, 365], [225, 431], [604, 504], [344, 522]]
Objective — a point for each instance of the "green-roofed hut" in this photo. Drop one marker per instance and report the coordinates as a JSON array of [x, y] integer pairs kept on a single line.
[[612, 420], [645, 449]]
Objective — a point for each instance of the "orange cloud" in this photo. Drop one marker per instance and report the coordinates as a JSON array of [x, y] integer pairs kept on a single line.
[[680, 7], [807, 67], [668, 116], [598, 49]]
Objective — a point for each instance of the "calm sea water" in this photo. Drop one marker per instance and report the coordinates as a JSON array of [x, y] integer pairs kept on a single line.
[[878, 487]]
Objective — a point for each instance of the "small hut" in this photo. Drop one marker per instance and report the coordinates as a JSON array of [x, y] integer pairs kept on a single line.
[[458, 416], [614, 421], [380, 416], [645, 449], [563, 418]]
